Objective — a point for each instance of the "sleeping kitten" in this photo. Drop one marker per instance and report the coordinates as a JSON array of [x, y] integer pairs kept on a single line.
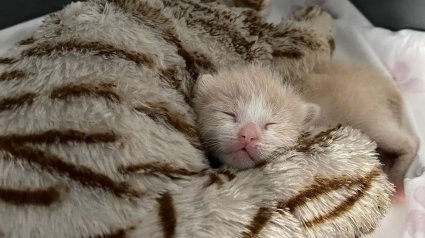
[[245, 113], [363, 98]]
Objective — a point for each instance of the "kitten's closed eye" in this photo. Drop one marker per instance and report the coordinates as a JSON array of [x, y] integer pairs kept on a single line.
[[231, 115], [269, 124]]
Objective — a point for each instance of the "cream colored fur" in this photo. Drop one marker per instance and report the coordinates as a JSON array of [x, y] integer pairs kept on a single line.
[[363, 98], [253, 94]]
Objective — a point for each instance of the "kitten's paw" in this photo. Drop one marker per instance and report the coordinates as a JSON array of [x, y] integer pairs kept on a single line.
[[399, 196]]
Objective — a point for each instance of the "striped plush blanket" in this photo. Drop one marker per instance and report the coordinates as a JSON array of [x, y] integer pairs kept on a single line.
[[97, 136]]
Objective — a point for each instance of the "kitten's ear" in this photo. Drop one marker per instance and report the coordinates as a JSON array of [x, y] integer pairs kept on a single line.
[[202, 83], [311, 113]]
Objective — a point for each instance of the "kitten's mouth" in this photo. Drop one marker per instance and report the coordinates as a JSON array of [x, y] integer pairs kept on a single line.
[[242, 156], [242, 149], [242, 152]]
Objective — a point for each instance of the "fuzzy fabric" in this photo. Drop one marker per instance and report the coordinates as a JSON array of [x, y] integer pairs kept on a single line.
[[97, 136]]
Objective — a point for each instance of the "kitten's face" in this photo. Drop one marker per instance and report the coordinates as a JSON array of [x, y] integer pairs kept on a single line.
[[246, 113]]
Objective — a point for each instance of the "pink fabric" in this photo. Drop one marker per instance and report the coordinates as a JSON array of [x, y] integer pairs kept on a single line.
[[401, 72], [416, 218]]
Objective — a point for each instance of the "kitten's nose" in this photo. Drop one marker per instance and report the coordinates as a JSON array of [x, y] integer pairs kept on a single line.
[[248, 133]]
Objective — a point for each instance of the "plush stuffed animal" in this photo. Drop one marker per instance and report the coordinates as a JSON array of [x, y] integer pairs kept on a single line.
[[97, 136]]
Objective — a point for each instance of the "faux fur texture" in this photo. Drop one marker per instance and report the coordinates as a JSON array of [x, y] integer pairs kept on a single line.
[[97, 138]]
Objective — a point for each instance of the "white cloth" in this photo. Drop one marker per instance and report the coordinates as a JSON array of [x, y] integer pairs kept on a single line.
[[9, 36], [401, 54]]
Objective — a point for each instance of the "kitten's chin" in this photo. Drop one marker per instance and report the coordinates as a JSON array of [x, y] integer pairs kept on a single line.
[[239, 160]]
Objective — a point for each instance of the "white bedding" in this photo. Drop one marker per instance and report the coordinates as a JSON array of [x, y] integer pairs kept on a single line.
[[400, 54]]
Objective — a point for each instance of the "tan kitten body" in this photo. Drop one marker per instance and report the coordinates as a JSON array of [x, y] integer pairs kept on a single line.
[[245, 113], [363, 98]]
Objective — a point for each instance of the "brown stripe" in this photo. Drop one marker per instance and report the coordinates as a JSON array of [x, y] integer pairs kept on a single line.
[[292, 54], [100, 49], [308, 10], [156, 169], [167, 215], [170, 75], [220, 25], [159, 111], [27, 41], [230, 175], [306, 40], [224, 30], [346, 205], [257, 5], [260, 220], [305, 144], [262, 165], [305, 14], [256, 26], [331, 43], [143, 10], [54, 164], [286, 33], [198, 8], [319, 187], [194, 61], [7, 61], [104, 90], [61, 137], [15, 102], [147, 13], [106, 50], [14, 74], [323, 186], [121, 233], [214, 179], [299, 38], [239, 42], [40, 197]]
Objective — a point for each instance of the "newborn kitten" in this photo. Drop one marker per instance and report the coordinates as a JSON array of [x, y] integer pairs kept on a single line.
[[364, 99], [245, 113]]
